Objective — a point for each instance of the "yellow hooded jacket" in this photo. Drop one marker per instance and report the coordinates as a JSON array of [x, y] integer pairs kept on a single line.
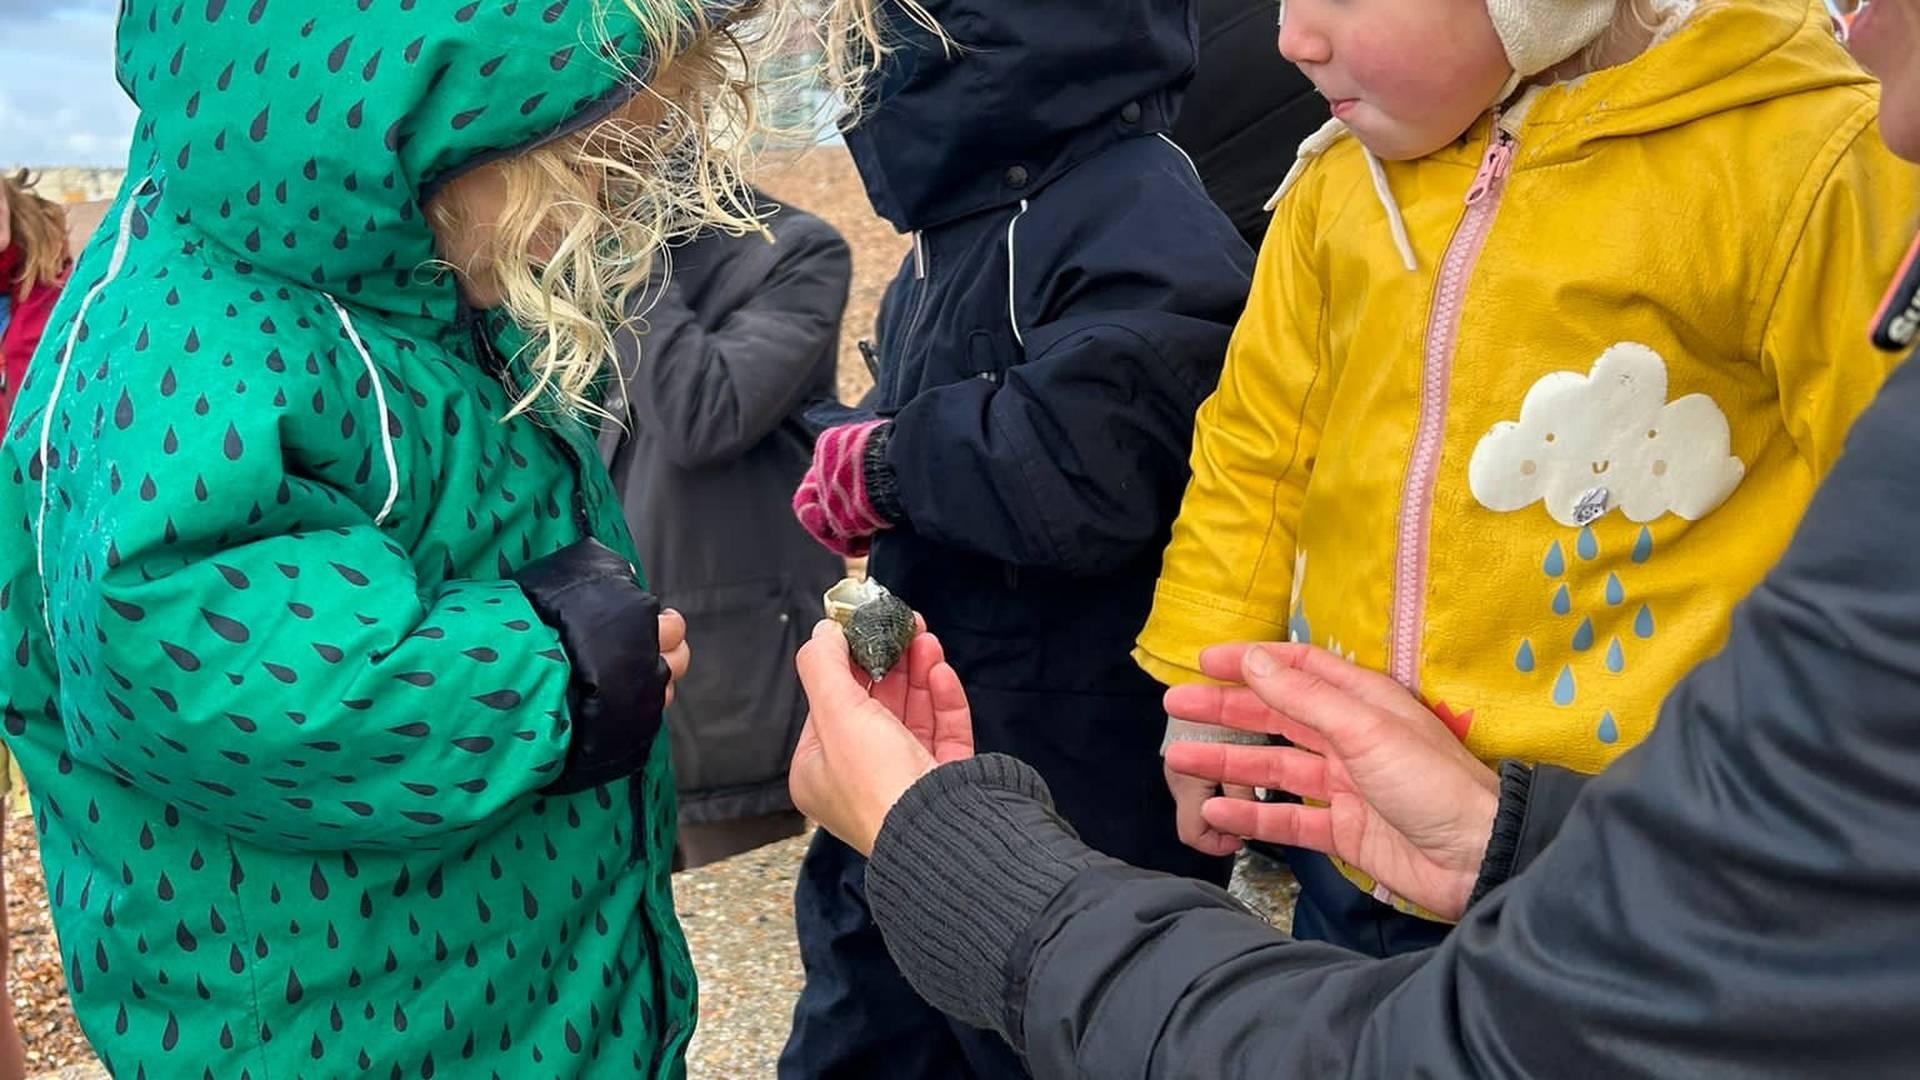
[[1532, 479]]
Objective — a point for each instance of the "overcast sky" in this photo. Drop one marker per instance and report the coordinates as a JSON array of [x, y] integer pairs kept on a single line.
[[59, 103]]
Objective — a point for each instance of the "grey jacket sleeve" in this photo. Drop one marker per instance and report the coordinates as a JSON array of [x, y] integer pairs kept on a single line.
[[1736, 897], [710, 394]]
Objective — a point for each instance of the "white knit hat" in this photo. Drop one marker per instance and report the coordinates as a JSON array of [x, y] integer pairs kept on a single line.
[[1536, 35]]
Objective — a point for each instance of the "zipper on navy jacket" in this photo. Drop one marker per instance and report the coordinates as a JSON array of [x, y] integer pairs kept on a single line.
[[920, 290]]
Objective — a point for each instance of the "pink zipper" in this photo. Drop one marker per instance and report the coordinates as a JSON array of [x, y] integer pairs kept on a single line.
[[1443, 332]]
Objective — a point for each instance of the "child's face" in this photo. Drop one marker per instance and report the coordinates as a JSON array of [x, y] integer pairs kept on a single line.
[[1407, 76]]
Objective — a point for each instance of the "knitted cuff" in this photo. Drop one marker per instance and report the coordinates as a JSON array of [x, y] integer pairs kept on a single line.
[[1188, 731], [1516, 784], [965, 863], [883, 486]]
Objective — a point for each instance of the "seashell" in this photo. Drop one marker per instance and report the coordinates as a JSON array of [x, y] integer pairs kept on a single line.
[[879, 625]]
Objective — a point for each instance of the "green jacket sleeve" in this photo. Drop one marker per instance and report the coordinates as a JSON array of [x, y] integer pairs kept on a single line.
[[241, 638]]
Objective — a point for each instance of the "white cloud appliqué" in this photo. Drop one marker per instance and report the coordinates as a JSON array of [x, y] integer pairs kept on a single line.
[[1590, 444]]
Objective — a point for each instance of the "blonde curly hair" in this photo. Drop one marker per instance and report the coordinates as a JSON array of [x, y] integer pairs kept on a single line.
[[586, 217]]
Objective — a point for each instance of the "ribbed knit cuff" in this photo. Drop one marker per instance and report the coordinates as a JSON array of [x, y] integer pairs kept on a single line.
[[1516, 784], [1188, 731], [965, 863], [883, 486]]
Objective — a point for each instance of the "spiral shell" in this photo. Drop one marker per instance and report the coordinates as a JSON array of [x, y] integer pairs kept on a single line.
[[879, 625]]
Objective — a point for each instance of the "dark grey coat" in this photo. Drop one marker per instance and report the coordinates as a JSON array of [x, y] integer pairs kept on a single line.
[[744, 332]]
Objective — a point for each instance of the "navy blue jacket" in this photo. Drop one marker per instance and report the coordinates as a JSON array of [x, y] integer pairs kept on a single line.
[[1065, 309]]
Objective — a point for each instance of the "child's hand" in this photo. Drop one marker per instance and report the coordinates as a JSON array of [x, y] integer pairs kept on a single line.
[[832, 502], [1190, 795], [674, 648], [1406, 802]]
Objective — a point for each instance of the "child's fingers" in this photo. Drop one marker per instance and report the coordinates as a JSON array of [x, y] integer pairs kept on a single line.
[[1292, 824], [1189, 795], [1276, 768]]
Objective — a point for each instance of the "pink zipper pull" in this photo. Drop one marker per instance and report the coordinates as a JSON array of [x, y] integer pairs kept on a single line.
[[1493, 167]]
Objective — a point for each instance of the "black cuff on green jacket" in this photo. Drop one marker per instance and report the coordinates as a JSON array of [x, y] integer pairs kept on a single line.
[[610, 629], [883, 486]]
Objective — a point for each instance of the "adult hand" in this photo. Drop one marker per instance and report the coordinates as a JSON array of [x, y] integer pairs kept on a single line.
[[1405, 801], [674, 648], [863, 747]]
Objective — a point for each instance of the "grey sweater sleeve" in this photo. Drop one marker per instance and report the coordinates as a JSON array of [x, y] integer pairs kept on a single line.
[[965, 864]]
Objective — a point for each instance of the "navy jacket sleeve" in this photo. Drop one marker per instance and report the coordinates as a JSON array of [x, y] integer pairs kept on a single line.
[[1735, 897], [711, 393], [1074, 457]]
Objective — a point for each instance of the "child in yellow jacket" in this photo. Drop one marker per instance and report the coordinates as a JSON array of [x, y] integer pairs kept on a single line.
[[1526, 399]]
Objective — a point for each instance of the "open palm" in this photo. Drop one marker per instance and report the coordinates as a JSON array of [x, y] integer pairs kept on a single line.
[[1399, 797]]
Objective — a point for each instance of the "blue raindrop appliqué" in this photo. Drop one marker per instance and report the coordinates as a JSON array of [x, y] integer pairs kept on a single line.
[[1556, 563], [1562, 601], [1298, 630], [1643, 623], [1616, 592], [1589, 545], [1616, 658], [1643, 547], [1563, 690], [1583, 637], [1524, 659], [1609, 732]]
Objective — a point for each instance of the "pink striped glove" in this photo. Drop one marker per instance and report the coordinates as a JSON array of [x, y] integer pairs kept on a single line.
[[832, 502]]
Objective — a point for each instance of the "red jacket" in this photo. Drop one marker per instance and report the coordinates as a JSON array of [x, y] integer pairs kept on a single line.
[[22, 335]]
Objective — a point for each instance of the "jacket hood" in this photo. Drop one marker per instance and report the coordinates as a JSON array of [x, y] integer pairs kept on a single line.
[[1033, 88], [305, 138], [1728, 57]]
